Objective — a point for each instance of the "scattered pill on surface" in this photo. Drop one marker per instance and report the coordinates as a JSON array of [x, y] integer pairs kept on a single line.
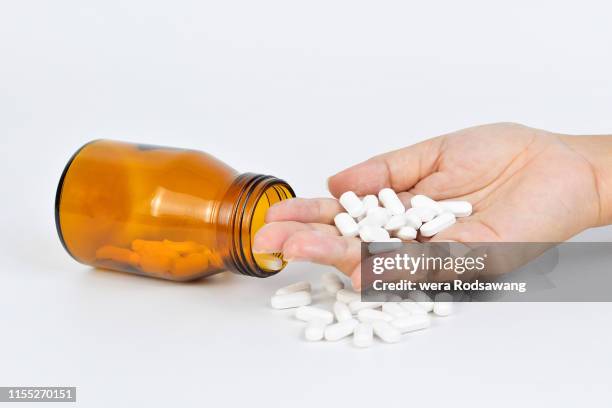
[[308, 313], [422, 299], [346, 225], [413, 307], [347, 296], [337, 331], [385, 331], [389, 199], [394, 309], [363, 335], [441, 222], [398, 316], [315, 330], [358, 305], [459, 208], [411, 323], [369, 315], [352, 204], [289, 300], [443, 304], [294, 287], [342, 311]]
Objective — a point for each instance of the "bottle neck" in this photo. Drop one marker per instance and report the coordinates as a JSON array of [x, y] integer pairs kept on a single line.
[[241, 216]]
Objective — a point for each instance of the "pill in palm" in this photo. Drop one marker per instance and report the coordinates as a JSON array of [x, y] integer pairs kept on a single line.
[[411, 323], [412, 218], [376, 233], [369, 315], [441, 222], [308, 313], [363, 335], [425, 214], [391, 201], [406, 233], [294, 287], [337, 331], [395, 222], [420, 201], [352, 204], [376, 217], [443, 304], [315, 330], [369, 233], [459, 208], [346, 225], [369, 201], [289, 300], [385, 331]]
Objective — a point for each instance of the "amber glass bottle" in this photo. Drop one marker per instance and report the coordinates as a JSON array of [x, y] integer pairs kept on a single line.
[[163, 212]]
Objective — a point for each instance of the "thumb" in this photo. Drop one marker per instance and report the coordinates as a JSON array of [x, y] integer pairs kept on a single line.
[[400, 170]]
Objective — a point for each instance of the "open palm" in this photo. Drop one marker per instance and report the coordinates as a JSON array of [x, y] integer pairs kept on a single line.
[[525, 185]]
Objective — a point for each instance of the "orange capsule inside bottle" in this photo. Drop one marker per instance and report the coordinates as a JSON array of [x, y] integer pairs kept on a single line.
[[168, 213]]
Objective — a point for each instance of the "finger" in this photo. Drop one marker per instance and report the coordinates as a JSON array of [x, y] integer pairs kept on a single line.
[[319, 210], [400, 169], [322, 248], [356, 277], [271, 237]]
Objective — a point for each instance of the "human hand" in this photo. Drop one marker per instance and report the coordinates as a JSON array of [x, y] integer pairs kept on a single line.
[[525, 185]]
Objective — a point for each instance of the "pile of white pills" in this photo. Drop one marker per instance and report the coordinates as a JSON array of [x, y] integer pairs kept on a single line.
[[392, 222], [387, 319]]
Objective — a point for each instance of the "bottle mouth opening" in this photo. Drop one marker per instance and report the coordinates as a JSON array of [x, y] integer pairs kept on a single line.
[[58, 197], [257, 195]]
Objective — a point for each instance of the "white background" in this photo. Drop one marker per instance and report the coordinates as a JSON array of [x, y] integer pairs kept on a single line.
[[299, 90]]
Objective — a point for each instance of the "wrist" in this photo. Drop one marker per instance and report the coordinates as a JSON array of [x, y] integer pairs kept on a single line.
[[597, 151]]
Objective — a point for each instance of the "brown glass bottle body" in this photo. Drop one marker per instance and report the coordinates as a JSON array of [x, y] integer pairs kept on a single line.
[[169, 213]]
